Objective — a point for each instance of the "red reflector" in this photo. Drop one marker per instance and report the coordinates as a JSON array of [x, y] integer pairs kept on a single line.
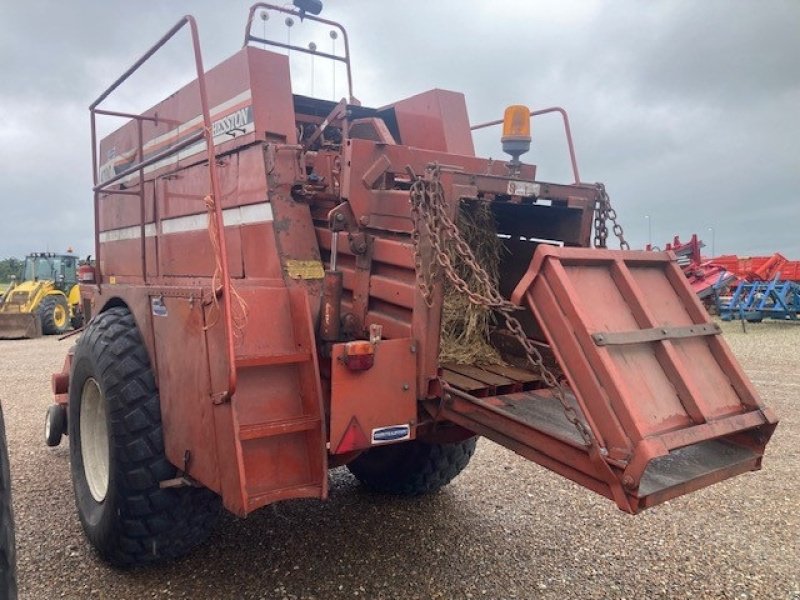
[[354, 438], [360, 362], [359, 355]]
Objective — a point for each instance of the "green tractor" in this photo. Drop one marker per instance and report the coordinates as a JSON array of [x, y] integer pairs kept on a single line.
[[45, 300]]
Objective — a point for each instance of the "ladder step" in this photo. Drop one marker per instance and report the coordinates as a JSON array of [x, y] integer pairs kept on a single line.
[[273, 359], [259, 499], [280, 427]]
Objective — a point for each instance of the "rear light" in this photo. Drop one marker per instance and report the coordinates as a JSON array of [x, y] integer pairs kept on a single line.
[[86, 274], [359, 355]]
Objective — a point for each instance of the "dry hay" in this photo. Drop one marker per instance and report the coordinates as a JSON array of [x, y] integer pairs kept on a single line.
[[466, 326]]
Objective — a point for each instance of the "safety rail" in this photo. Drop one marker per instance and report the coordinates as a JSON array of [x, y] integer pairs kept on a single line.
[[567, 131], [102, 187], [249, 37]]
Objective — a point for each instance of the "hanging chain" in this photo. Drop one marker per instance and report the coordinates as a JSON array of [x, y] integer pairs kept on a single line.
[[429, 212], [603, 213]]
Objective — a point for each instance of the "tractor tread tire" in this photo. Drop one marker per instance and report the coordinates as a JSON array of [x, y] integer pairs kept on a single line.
[[56, 424], [411, 468], [8, 553], [139, 522], [46, 314]]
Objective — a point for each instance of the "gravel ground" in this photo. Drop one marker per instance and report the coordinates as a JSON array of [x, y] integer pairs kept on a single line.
[[505, 528]]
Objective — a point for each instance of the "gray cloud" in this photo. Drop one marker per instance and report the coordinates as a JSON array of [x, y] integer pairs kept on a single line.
[[686, 110]]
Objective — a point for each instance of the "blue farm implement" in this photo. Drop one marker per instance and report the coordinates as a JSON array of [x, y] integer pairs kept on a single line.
[[755, 301]]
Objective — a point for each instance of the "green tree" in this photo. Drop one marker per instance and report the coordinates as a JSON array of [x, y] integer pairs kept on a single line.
[[8, 267]]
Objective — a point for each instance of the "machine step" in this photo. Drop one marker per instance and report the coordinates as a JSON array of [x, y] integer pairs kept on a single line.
[[279, 427], [276, 434], [266, 360]]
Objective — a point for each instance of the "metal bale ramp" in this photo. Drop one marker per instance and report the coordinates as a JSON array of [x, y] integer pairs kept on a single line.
[[668, 408]]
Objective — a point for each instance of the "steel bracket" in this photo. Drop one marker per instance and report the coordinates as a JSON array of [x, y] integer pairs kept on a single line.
[[654, 334]]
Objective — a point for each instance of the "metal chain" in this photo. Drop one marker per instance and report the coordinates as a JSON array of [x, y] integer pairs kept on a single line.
[[429, 211], [604, 212]]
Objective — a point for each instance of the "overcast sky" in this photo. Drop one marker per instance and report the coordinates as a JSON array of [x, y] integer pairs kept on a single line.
[[688, 111]]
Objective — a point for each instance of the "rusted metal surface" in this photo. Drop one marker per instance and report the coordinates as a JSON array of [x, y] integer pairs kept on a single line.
[[666, 387], [20, 325], [358, 397]]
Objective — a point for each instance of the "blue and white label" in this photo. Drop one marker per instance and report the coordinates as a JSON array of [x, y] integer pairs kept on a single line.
[[393, 433], [158, 307]]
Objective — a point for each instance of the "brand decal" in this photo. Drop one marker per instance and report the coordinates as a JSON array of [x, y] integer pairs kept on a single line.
[[233, 123], [393, 433], [158, 307]]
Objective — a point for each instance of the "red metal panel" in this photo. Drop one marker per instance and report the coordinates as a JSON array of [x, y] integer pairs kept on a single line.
[[682, 379], [186, 408], [229, 91], [382, 396], [272, 95], [649, 369], [435, 120]]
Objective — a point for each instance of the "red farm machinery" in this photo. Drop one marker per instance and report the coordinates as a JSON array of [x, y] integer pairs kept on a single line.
[[267, 304]]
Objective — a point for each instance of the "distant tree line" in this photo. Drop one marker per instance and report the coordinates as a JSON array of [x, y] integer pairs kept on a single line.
[[9, 267]]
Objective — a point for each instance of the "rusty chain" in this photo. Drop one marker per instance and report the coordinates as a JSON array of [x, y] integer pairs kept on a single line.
[[603, 213], [429, 212]]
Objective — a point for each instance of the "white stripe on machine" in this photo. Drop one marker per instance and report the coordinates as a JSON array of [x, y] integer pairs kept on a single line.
[[231, 217]]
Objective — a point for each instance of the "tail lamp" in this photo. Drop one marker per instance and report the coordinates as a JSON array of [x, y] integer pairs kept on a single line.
[[516, 138], [86, 273], [359, 355]]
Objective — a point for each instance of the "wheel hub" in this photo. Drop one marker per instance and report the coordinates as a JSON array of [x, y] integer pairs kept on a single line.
[[60, 316], [94, 439]]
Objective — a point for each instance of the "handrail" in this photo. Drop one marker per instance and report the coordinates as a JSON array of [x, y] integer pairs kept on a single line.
[[248, 37], [216, 196], [567, 131], [192, 139]]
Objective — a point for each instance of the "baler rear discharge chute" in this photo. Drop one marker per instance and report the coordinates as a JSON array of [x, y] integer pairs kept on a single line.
[[272, 271], [662, 407]]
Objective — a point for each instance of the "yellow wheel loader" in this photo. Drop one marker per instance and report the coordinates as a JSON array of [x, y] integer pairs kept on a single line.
[[46, 299]]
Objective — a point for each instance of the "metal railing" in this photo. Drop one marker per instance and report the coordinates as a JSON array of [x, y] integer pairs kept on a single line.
[[101, 188], [567, 131], [249, 37]]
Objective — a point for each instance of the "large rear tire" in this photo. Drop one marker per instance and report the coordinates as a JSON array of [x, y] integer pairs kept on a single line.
[[8, 552], [412, 468], [117, 452], [54, 313]]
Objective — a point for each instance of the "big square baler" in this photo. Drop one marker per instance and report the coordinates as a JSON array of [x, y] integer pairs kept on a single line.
[[267, 304]]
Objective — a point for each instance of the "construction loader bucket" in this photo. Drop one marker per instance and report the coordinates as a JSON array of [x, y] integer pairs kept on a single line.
[[666, 408], [19, 325]]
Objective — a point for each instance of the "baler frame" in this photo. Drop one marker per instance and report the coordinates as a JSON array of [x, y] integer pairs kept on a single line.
[[338, 358]]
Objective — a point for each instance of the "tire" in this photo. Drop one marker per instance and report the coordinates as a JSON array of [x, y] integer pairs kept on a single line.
[[53, 312], [55, 424], [77, 320], [412, 468], [117, 452], [8, 552]]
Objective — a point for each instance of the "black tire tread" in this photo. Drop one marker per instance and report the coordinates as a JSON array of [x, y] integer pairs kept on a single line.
[[46, 314], [8, 552], [412, 468], [152, 524], [57, 416]]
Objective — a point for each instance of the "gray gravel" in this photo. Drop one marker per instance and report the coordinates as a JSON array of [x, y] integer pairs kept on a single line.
[[505, 528]]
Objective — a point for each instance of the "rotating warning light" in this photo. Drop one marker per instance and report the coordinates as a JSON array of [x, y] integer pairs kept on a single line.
[[516, 138]]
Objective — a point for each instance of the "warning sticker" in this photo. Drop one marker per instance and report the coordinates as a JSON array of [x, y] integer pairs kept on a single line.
[[523, 188], [305, 269], [392, 433]]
